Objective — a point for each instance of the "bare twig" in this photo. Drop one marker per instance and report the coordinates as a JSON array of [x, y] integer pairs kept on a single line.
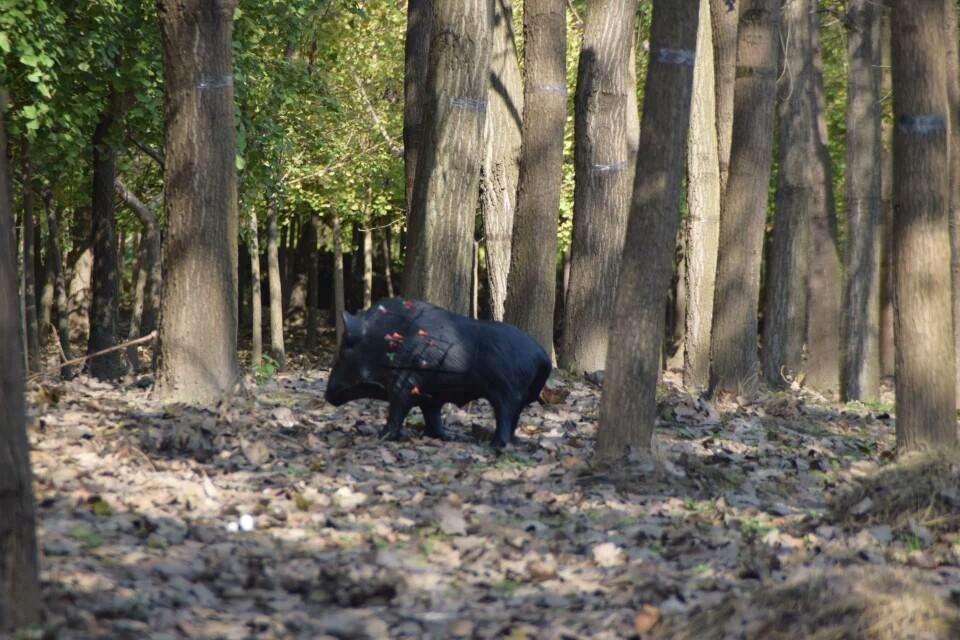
[[391, 143], [147, 338]]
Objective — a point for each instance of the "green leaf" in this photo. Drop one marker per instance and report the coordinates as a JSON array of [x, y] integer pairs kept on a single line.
[[4, 42]]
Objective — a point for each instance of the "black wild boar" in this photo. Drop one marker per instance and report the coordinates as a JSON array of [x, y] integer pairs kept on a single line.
[[415, 354]]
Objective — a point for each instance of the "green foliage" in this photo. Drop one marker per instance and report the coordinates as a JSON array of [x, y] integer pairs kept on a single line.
[[266, 369]]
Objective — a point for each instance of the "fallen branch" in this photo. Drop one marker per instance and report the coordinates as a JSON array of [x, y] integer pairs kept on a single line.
[[147, 338]]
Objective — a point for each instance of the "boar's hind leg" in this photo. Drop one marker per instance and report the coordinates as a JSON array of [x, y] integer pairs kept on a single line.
[[434, 422], [507, 418], [399, 408]]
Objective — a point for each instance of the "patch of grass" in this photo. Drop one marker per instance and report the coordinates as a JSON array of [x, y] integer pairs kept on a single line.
[[265, 370], [506, 586], [913, 543], [754, 528], [88, 539], [513, 460]]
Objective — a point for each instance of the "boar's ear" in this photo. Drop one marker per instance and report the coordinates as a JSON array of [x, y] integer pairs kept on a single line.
[[352, 326]]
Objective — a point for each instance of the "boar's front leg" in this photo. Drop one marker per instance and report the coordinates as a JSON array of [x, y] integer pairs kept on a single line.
[[434, 422], [397, 413], [507, 416]]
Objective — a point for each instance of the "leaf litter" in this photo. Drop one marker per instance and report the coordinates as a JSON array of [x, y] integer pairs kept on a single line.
[[278, 516]]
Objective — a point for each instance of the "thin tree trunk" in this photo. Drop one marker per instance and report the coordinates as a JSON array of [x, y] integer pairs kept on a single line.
[[256, 304], [416, 54], [387, 274], [198, 328], [785, 302], [887, 350], [55, 255], [20, 603], [676, 307], [824, 286], [277, 351], [602, 171], [953, 97], [368, 264], [724, 19], [501, 167], [531, 287], [49, 274], [703, 215], [339, 304], [628, 408], [926, 401], [860, 371], [475, 282], [105, 278], [146, 303], [448, 170], [79, 292], [733, 346], [313, 282], [29, 274]]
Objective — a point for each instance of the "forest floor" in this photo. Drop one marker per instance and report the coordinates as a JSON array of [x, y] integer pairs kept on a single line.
[[279, 516]]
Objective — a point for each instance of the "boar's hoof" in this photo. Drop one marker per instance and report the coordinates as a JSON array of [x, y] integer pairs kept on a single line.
[[391, 434], [438, 434], [499, 443]]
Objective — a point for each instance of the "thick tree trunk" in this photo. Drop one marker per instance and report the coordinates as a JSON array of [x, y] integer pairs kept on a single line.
[[887, 349], [79, 294], [703, 215], [953, 101], [198, 327], [824, 284], [146, 304], [926, 401], [724, 20], [29, 274], [733, 347], [277, 351], [602, 172], [19, 584], [532, 283], [629, 408], [785, 302], [313, 282], [448, 170], [860, 371], [416, 54], [339, 304], [105, 278], [256, 291], [501, 166]]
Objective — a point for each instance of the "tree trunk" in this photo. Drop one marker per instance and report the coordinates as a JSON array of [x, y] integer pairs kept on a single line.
[[416, 54], [313, 282], [724, 19], [387, 274], [733, 345], [368, 265], [48, 275], [29, 274], [953, 111], [676, 307], [79, 294], [55, 260], [256, 289], [146, 304], [824, 281], [501, 166], [198, 327], [20, 603], [887, 349], [703, 214], [448, 170], [277, 351], [339, 304], [105, 278], [628, 408], [532, 283], [602, 172], [926, 402], [860, 370], [785, 302]]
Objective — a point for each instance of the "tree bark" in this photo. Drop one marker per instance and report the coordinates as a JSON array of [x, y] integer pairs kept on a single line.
[[256, 304], [277, 351], [105, 277], [887, 349], [55, 260], [724, 19], [703, 215], [602, 172], [531, 288], [501, 166], [824, 286], [733, 345], [146, 304], [387, 272], [339, 304], [19, 582], [860, 370], [416, 63], [368, 265], [926, 401], [48, 275], [313, 282], [628, 408], [198, 327], [785, 302], [29, 274], [448, 169], [953, 111]]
